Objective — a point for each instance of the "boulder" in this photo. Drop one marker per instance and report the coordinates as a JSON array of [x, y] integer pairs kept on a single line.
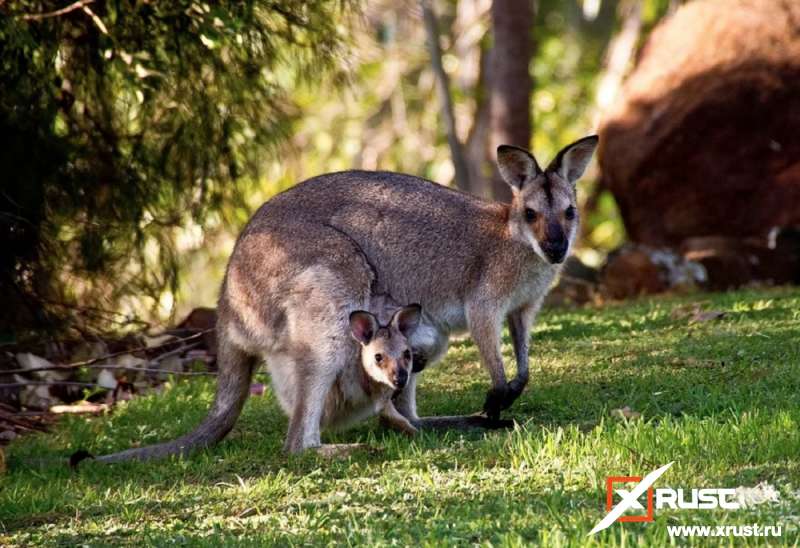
[[704, 140]]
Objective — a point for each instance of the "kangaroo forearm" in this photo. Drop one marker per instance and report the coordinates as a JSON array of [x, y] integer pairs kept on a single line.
[[485, 332], [519, 326], [396, 420]]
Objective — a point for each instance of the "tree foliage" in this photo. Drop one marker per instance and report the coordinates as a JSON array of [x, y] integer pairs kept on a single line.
[[120, 120]]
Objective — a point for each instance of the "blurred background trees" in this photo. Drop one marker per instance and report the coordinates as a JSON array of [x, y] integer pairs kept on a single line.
[[138, 137], [126, 126]]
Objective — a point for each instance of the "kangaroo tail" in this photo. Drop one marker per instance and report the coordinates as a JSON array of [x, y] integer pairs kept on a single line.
[[233, 387]]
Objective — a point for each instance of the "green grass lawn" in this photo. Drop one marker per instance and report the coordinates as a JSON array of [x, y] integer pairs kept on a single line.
[[721, 398]]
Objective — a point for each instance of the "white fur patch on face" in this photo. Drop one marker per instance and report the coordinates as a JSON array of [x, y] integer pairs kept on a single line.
[[376, 373], [534, 243], [523, 233], [571, 238]]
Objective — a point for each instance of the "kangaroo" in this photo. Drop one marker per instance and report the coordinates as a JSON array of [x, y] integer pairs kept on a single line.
[[367, 387], [335, 241]]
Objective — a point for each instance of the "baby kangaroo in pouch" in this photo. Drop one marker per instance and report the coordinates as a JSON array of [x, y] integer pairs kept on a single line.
[[383, 368], [314, 259]]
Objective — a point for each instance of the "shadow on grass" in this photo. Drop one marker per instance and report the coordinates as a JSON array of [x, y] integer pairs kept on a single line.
[[531, 509], [459, 516], [674, 372]]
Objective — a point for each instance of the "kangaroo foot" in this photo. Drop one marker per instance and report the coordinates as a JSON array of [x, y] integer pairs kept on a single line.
[[403, 426]]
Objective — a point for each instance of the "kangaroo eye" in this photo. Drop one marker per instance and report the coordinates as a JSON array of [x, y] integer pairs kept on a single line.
[[569, 213], [407, 354], [378, 358], [530, 215]]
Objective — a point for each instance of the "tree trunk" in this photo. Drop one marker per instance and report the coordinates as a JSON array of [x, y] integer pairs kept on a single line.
[[462, 174], [619, 55], [479, 158], [618, 60], [474, 51], [511, 82]]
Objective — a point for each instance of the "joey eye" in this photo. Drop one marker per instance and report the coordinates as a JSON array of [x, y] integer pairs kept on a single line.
[[530, 215], [569, 213], [378, 358], [407, 354]]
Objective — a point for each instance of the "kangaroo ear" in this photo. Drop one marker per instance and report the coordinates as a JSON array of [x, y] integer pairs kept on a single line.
[[363, 326], [571, 162], [407, 319], [517, 165]]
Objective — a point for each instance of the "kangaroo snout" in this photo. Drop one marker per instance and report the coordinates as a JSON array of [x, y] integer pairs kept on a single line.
[[555, 250], [555, 243], [400, 378]]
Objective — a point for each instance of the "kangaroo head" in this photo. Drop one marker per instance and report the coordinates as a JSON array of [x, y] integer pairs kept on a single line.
[[543, 211], [385, 352]]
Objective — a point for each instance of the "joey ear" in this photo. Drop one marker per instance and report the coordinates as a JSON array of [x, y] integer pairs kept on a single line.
[[407, 319], [571, 162], [516, 165], [363, 326]]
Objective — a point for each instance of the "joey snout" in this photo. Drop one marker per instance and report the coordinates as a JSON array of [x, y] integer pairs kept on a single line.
[[400, 378]]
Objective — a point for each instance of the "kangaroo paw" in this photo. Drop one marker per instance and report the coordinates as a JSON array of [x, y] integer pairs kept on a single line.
[[497, 399]]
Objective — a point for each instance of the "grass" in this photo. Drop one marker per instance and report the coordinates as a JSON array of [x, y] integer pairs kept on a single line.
[[720, 398]]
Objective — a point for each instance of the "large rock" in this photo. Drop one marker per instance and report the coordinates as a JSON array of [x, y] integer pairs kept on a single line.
[[706, 137]]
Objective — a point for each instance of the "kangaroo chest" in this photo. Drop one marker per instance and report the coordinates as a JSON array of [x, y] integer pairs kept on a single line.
[[533, 287]]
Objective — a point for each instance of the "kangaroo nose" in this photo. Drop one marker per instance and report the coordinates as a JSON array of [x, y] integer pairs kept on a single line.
[[556, 251], [401, 378]]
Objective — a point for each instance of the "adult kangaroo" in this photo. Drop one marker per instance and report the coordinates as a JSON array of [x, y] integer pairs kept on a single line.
[[339, 242]]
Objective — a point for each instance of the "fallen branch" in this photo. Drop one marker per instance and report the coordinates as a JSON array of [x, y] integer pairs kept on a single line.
[[141, 348], [63, 11], [79, 408], [112, 316], [155, 370], [50, 383], [118, 367], [92, 363], [20, 422], [175, 352]]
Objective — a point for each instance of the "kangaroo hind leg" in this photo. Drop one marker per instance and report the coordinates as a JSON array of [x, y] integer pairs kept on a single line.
[[311, 392]]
